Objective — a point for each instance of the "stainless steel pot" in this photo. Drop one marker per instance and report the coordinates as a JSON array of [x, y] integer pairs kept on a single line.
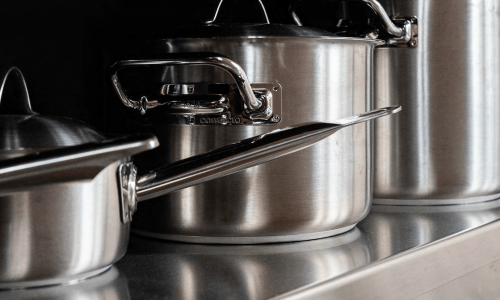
[[423, 157], [66, 211], [297, 75]]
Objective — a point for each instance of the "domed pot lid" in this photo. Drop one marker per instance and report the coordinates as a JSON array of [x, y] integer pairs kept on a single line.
[[23, 131]]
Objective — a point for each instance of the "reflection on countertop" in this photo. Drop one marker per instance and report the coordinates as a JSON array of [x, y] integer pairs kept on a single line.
[[110, 285], [394, 229], [156, 269], [189, 271]]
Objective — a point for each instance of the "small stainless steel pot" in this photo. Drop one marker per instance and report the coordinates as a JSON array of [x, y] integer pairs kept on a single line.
[[66, 212], [257, 78]]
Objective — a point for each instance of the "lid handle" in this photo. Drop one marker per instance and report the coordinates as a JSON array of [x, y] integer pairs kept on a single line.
[[14, 97], [239, 4]]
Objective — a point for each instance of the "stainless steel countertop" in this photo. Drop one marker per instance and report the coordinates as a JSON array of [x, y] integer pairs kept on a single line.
[[397, 252]]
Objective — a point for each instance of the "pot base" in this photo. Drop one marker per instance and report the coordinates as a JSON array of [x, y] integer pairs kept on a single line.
[[436, 201], [55, 281], [244, 240]]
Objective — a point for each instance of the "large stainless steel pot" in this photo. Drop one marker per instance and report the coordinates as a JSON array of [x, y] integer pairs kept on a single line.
[[66, 210], [297, 75], [437, 159]]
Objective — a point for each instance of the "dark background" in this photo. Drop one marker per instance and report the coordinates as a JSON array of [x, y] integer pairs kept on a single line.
[[61, 45]]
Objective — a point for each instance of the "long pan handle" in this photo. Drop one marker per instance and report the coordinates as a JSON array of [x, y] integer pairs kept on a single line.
[[247, 153]]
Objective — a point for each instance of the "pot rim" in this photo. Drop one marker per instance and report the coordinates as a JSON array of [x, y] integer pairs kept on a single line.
[[374, 42]]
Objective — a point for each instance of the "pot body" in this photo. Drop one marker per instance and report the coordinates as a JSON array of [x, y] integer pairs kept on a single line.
[[444, 147], [320, 191], [61, 232]]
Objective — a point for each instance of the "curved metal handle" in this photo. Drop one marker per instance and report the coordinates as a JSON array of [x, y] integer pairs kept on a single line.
[[14, 96], [247, 153], [220, 4], [258, 109], [403, 34]]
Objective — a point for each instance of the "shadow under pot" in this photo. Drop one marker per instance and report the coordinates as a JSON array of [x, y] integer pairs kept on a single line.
[[227, 82]]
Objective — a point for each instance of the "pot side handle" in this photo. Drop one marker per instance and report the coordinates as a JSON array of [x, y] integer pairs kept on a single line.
[[405, 35], [258, 108], [247, 153]]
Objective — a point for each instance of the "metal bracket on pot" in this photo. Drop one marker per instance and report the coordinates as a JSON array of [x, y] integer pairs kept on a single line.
[[127, 175], [403, 31], [257, 104], [217, 104], [410, 37]]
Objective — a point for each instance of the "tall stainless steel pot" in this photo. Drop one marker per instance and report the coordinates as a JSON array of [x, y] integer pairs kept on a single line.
[[309, 75], [67, 206], [445, 147]]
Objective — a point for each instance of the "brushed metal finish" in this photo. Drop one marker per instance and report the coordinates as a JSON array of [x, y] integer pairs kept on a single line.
[[444, 148], [247, 153], [258, 108], [396, 252], [111, 285], [325, 187], [65, 212], [60, 231], [23, 131], [187, 271], [419, 269]]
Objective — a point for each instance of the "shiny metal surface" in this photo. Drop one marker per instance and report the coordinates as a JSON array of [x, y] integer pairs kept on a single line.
[[417, 270], [66, 212], [194, 104], [59, 232], [247, 153], [185, 271], [395, 253], [446, 251], [214, 19], [258, 109], [322, 79], [445, 147], [404, 35], [111, 285], [23, 131], [478, 284]]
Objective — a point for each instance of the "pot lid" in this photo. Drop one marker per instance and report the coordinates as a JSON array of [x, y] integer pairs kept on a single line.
[[226, 22], [242, 30], [23, 131]]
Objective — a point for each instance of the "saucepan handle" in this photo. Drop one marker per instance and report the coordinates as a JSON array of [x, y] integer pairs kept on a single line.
[[404, 34], [84, 162], [258, 108]]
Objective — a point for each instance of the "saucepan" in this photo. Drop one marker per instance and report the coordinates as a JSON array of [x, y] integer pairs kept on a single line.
[[66, 210]]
